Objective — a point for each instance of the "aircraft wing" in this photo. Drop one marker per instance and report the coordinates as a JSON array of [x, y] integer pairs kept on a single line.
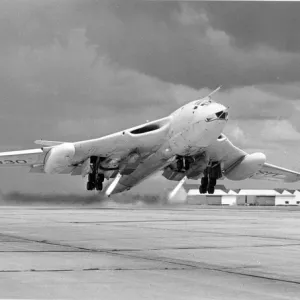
[[21, 158], [275, 173], [115, 147], [231, 157]]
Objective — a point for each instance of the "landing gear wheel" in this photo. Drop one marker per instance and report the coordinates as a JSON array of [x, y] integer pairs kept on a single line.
[[90, 185], [204, 181], [100, 177], [99, 182], [92, 177], [99, 186], [202, 189], [212, 182], [203, 185], [180, 165], [211, 185], [211, 189]]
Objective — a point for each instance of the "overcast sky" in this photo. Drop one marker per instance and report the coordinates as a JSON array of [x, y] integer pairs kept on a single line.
[[72, 70]]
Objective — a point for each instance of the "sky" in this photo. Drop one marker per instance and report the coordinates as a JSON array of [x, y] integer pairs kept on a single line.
[[72, 70]]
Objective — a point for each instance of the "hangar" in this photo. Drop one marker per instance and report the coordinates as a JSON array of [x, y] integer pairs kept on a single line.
[[220, 197], [223, 196]]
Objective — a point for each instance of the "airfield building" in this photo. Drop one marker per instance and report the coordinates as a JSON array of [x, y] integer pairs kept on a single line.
[[223, 196]]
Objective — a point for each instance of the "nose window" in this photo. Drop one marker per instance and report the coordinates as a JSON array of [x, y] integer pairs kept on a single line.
[[222, 115]]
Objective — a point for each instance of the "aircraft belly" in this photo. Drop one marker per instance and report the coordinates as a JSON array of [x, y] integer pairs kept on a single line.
[[146, 168], [190, 140]]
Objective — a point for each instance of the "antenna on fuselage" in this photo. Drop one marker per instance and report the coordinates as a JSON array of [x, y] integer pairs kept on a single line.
[[213, 92]]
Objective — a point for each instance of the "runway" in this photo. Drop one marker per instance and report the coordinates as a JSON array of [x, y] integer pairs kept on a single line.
[[131, 252]]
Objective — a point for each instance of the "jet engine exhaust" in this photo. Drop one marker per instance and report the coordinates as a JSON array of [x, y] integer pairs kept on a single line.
[[112, 186], [177, 188]]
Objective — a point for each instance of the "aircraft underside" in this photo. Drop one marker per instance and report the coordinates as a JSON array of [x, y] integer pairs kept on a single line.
[[193, 167]]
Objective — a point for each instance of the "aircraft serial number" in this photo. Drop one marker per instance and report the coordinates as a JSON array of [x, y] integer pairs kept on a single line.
[[11, 162]]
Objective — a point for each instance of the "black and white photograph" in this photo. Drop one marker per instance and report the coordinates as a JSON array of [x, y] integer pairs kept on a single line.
[[149, 149]]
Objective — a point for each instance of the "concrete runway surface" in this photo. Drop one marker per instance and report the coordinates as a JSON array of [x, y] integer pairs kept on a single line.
[[131, 252]]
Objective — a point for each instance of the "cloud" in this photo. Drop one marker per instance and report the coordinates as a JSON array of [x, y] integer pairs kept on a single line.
[[253, 102], [252, 24], [282, 130], [236, 134], [184, 47]]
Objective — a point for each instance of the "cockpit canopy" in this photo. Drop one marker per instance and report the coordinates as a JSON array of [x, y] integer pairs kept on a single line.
[[220, 115]]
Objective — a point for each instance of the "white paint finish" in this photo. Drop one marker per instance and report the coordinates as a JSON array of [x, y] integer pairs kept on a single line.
[[229, 200], [249, 165], [282, 199], [123, 142], [223, 150], [59, 158], [21, 158], [297, 197]]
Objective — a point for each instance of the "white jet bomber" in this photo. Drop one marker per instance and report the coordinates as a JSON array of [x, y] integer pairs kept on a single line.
[[188, 144]]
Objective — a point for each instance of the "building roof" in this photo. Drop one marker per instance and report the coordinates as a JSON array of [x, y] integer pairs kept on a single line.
[[219, 192], [193, 189]]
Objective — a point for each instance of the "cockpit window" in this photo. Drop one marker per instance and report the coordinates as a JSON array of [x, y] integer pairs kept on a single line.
[[222, 115]]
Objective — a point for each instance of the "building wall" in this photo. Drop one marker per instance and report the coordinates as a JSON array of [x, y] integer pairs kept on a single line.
[[229, 199], [196, 199], [249, 197], [214, 199], [240, 200], [265, 200], [285, 200]]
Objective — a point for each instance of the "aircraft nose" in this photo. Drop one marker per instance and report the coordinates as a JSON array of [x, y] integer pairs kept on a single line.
[[221, 114]]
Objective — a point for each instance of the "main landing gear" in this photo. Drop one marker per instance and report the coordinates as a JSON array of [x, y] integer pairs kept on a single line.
[[183, 163], [209, 181], [95, 179], [207, 185]]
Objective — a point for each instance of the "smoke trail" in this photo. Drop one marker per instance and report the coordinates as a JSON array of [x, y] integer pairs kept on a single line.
[[18, 198]]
